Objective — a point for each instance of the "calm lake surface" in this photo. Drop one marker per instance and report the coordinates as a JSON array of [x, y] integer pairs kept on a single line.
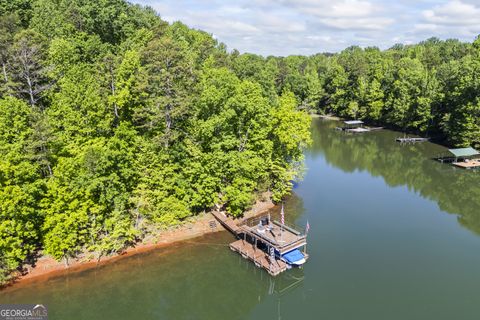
[[394, 235]]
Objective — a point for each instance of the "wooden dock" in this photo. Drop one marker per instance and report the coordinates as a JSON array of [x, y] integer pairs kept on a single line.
[[470, 164], [358, 129], [281, 237], [263, 243], [227, 222], [260, 258], [411, 140]]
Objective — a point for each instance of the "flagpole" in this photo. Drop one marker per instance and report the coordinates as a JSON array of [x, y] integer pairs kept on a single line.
[[307, 228], [283, 222]]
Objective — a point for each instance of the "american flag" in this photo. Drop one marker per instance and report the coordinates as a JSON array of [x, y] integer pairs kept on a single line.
[[282, 215], [307, 227]]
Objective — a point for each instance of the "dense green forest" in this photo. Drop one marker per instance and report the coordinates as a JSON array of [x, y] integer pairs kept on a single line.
[[431, 88], [115, 124]]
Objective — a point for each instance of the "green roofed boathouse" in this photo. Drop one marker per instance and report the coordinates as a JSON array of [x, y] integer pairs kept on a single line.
[[466, 158]]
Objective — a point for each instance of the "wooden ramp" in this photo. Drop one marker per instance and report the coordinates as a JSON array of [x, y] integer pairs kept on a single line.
[[225, 221], [260, 258]]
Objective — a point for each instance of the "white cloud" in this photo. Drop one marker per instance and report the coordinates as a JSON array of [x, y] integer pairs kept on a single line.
[[343, 9], [453, 18], [358, 24], [341, 14], [453, 13], [283, 27]]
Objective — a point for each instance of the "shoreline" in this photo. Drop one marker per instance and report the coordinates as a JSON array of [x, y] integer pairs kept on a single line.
[[46, 267], [325, 116], [436, 139]]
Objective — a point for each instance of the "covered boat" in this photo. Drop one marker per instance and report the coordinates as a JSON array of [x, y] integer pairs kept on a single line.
[[294, 257]]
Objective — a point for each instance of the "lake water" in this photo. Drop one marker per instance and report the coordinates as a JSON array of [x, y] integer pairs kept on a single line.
[[394, 235]]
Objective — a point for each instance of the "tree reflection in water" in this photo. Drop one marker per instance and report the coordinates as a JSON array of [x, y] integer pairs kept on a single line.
[[454, 190]]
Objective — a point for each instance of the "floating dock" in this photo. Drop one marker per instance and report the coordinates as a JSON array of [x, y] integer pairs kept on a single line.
[[356, 126], [357, 130], [269, 244], [469, 164], [411, 140], [260, 258], [465, 158]]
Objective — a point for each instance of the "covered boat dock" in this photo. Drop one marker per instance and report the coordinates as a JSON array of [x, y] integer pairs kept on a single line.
[[269, 244], [465, 158], [354, 123], [356, 126]]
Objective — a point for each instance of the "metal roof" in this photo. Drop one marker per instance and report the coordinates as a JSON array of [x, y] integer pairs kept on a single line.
[[353, 122], [464, 152]]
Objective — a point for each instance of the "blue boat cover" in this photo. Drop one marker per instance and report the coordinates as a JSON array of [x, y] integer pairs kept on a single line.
[[293, 256]]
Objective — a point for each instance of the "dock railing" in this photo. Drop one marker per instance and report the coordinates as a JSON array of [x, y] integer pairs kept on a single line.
[[283, 247], [288, 226]]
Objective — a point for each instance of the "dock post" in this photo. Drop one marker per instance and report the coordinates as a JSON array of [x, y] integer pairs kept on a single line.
[[270, 260], [255, 250]]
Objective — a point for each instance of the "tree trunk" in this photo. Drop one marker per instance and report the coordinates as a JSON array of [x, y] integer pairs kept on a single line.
[[50, 171], [44, 150], [30, 91], [243, 143], [5, 78], [4, 69]]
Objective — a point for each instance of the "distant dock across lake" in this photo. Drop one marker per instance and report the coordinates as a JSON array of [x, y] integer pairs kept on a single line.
[[465, 158], [411, 140], [356, 126]]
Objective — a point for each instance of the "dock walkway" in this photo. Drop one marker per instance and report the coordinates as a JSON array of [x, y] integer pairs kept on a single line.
[[411, 140], [225, 221], [259, 257]]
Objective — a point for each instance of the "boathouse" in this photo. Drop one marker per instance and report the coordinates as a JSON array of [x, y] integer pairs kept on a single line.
[[269, 244], [354, 126], [466, 158]]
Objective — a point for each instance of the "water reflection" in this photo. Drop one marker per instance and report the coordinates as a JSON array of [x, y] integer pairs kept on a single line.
[[273, 291], [455, 190], [373, 252], [198, 279], [294, 210]]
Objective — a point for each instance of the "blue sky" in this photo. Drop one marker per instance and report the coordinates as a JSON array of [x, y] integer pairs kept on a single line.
[[284, 27]]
